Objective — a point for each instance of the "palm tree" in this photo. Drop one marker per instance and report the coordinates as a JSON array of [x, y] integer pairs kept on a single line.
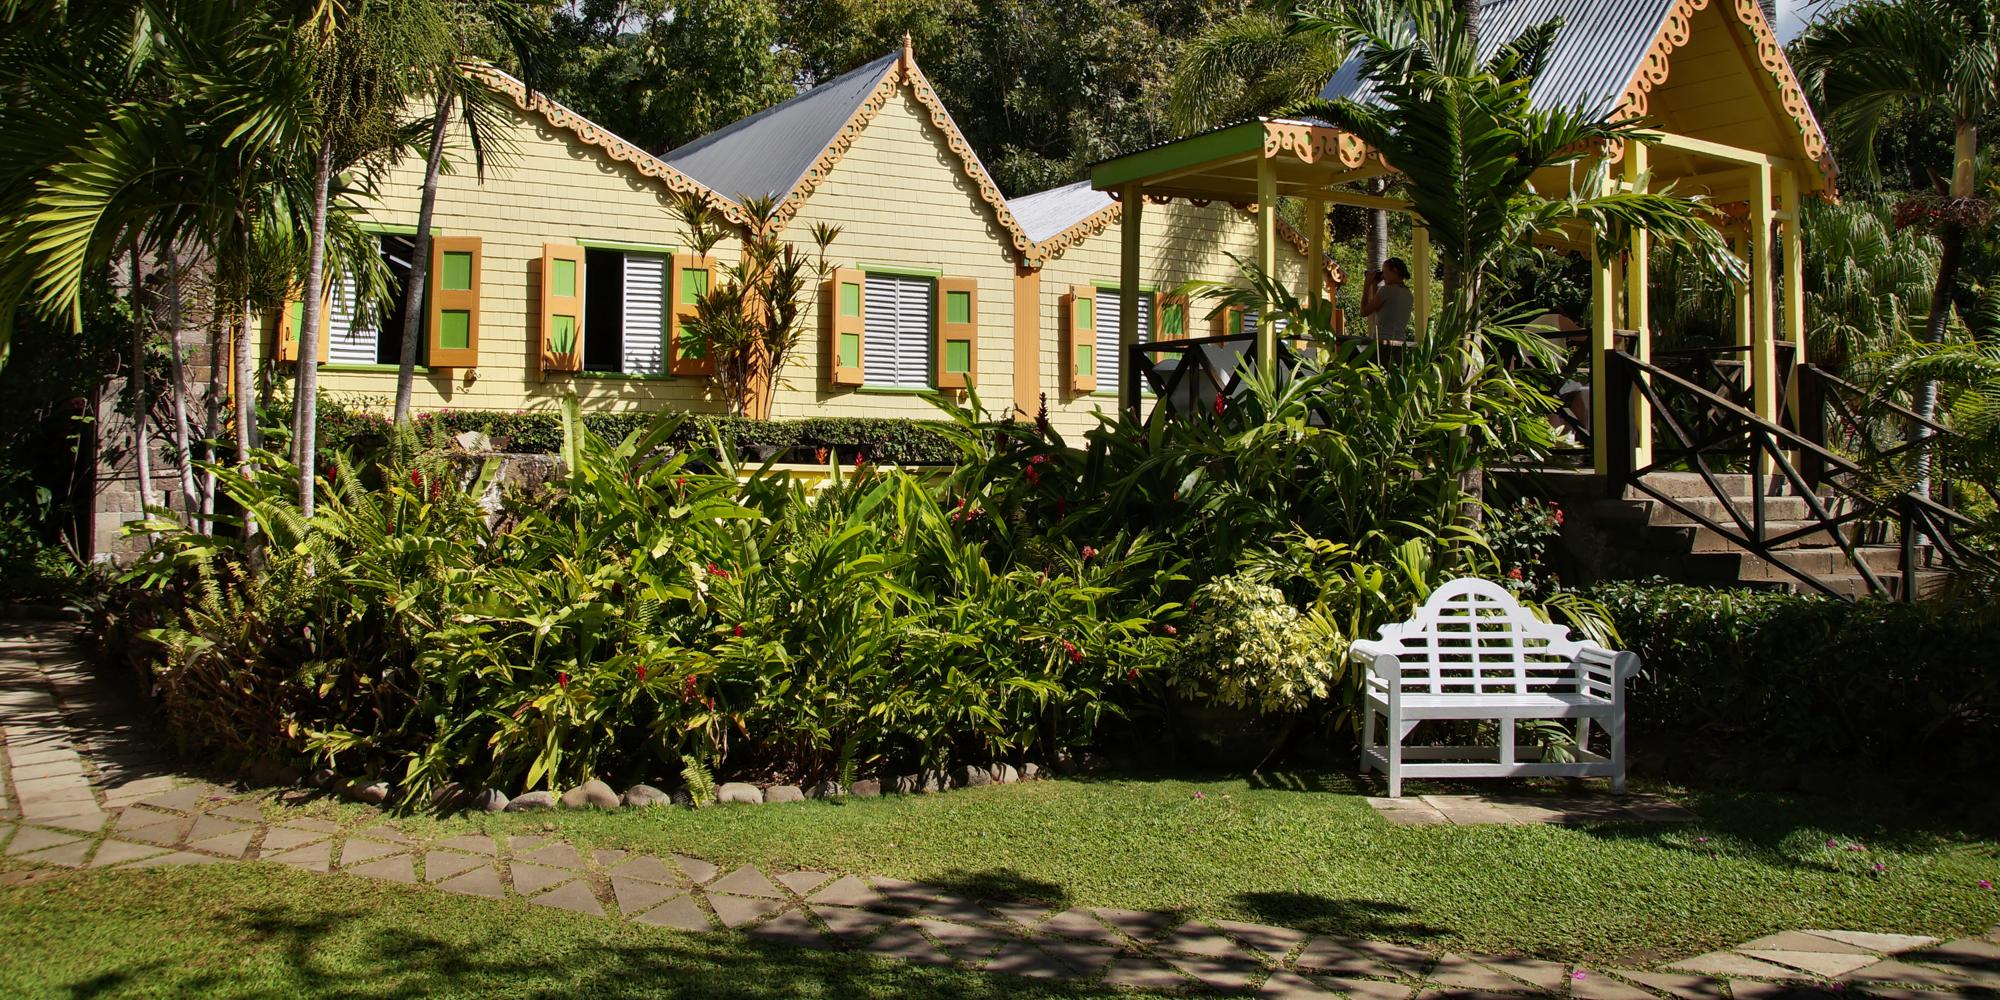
[[1872, 57], [459, 89], [366, 63]]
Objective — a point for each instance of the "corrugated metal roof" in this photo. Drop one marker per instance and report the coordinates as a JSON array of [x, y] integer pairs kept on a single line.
[[1046, 213], [766, 154], [1594, 56]]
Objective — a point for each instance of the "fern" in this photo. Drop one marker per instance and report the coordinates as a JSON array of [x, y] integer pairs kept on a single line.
[[700, 783]]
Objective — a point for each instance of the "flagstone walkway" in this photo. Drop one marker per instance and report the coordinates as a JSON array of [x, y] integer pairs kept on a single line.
[[80, 794]]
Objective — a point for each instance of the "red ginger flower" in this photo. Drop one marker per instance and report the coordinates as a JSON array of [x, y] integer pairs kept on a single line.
[[1089, 553], [739, 631], [562, 679], [1075, 655], [641, 669]]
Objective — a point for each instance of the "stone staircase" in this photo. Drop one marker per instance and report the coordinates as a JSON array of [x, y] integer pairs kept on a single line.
[[1636, 536]]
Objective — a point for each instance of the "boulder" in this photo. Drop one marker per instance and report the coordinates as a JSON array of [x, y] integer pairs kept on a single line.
[[645, 797], [826, 790], [740, 791], [907, 784], [784, 793], [449, 797], [1003, 774], [865, 788], [681, 798], [531, 801], [592, 794], [1030, 771], [373, 793], [972, 776], [491, 800], [324, 778]]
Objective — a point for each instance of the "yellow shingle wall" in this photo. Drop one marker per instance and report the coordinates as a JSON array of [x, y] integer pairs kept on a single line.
[[551, 188], [901, 198], [1180, 242]]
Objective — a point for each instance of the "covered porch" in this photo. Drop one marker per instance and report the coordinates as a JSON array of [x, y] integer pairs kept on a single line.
[[1727, 123]]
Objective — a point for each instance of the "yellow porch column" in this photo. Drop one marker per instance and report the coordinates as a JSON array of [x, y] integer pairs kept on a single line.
[[1764, 337], [1603, 317], [1315, 251], [1267, 259], [1132, 205], [1420, 294], [1739, 245], [1638, 307], [1795, 280]]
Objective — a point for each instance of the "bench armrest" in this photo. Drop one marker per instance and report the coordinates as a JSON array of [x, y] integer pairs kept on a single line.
[[1384, 668], [1608, 668]]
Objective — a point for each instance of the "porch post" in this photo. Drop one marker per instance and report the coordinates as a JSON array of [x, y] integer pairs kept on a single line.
[[1132, 205], [1795, 282], [1315, 251], [1267, 259], [1421, 263], [1738, 246], [1763, 313], [1638, 307], [1602, 319]]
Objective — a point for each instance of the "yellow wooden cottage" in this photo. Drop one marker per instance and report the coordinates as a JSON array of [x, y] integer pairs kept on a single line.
[[567, 269]]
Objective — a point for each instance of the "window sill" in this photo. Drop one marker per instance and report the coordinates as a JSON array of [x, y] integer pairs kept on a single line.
[[628, 376], [336, 367], [892, 390]]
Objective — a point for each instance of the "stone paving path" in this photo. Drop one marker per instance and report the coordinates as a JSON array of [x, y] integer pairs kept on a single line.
[[80, 795]]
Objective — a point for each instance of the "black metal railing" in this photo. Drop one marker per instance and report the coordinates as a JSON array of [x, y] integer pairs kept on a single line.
[[1700, 430]]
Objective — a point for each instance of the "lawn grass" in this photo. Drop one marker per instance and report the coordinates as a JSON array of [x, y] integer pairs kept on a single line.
[[1303, 851], [243, 931]]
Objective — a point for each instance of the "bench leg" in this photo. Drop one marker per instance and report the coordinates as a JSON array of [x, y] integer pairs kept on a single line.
[[1617, 731], [1395, 740], [1367, 735], [1506, 741]]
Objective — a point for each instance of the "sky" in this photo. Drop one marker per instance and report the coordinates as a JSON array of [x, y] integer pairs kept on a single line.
[[1793, 15]]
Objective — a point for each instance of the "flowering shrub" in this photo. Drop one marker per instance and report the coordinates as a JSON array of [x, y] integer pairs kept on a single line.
[[1248, 647], [1520, 535]]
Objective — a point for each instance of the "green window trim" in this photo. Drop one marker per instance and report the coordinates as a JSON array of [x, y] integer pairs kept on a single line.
[[652, 248], [891, 390], [899, 270], [1145, 287], [393, 229], [359, 368], [630, 376]]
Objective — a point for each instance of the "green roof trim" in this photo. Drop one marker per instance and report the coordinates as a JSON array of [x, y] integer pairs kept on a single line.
[[1222, 144]]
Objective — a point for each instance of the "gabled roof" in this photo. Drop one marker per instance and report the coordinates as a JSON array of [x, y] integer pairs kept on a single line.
[[559, 116], [769, 153], [1063, 217], [786, 151], [1611, 54]]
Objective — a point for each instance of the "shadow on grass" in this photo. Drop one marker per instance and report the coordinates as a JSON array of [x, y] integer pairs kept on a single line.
[[1000, 885], [349, 953], [1361, 918]]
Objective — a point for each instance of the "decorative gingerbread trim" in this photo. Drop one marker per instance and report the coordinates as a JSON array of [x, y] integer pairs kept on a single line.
[[989, 192], [1678, 28], [597, 136], [1313, 143]]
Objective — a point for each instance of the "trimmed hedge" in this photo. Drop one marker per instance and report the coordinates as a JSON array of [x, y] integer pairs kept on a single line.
[[880, 440], [1810, 679]]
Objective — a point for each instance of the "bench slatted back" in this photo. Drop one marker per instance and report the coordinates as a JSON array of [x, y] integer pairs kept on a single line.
[[1472, 637]]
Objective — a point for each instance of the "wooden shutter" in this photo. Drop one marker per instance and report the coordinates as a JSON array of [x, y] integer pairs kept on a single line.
[[1226, 321], [1173, 317], [693, 279], [844, 318], [286, 321], [957, 348], [454, 294], [1079, 335], [562, 307]]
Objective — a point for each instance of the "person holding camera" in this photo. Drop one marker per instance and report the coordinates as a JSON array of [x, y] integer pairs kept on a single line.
[[1387, 297]]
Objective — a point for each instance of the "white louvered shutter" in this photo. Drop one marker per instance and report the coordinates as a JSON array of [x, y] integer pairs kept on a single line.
[[1110, 361], [350, 340], [645, 314], [896, 343]]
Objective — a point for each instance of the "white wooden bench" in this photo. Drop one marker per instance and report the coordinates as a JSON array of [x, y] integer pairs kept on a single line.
[[1473, 652]]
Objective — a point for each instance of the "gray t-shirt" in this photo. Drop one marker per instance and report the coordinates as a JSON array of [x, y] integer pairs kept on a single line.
[[1393, 319]]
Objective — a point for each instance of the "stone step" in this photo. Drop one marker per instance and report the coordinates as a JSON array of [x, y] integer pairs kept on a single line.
[[1701, 539], [1690, 484], [1822, 562], [1775, 509], [1930, 583]]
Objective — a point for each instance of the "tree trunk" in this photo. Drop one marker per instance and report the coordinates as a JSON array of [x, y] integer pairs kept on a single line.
[[1468, 11], [211, 412], [244, 399], [305, 401], [135, 376], [1965, 150], [177, 370], [1378, 233], [420, 267]]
